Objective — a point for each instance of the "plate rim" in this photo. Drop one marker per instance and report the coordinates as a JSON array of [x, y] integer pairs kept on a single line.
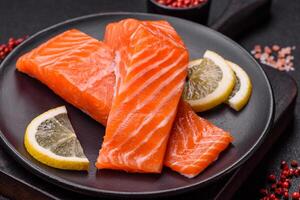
[[69, 185]]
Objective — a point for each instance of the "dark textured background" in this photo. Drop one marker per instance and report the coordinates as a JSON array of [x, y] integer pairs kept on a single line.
[[18, 18]]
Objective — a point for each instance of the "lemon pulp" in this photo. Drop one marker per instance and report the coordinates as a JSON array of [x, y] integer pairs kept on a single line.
[[50, 138], [210, 82]]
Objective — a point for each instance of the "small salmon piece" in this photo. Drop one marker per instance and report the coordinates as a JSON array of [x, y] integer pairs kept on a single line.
[[194, 143], [78, 68], [151, 67]]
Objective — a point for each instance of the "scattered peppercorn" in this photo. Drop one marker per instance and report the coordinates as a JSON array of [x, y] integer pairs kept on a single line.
[[292, 172], [285, 172], [272, 196], [285, 184], [296, 195], [286, 195], [5, 49], [294, 163], [278, 191], [281, 185], [284, 165], [297, 172], [282, 177], [272, 178], [181, 3], [273, 187], [277, 57], [263, 192]]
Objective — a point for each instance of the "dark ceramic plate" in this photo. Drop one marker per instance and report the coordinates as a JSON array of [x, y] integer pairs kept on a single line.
[[22, 98]]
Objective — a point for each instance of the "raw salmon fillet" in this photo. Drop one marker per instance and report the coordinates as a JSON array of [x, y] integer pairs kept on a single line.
[[85, 68], [194, 142], [150, 72], [184, 110], [78, 68]]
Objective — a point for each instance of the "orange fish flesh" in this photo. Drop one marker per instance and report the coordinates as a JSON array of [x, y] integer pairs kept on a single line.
[[150, 72], [78, 68]]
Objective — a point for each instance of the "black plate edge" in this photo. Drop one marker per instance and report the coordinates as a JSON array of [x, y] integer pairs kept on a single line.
[[96, 192]]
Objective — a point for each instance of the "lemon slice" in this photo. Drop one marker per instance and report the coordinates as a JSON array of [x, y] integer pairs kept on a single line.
[[50, 138], [210, 82], [242, 90]]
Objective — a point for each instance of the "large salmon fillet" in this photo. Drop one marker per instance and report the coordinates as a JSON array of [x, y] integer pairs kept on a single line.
[[78, 68], [194, 143], [150, 72]]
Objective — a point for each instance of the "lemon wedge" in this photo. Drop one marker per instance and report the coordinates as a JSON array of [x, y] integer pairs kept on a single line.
[[210, 82], [242, 90], [50, 139]]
